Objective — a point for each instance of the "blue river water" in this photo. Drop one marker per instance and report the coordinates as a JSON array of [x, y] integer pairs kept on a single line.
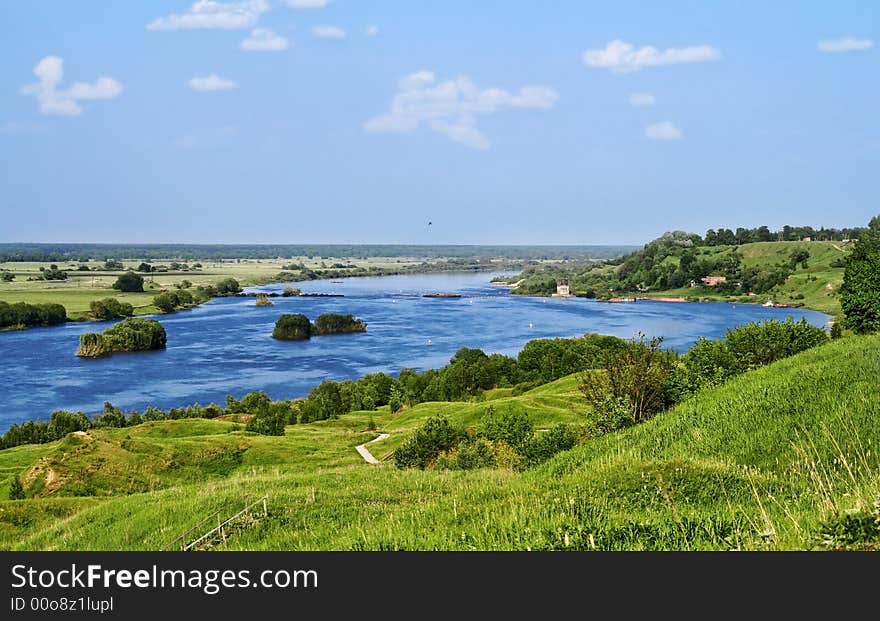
[[225, 346]]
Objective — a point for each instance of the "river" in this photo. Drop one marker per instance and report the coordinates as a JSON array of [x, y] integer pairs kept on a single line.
[[225, 346]]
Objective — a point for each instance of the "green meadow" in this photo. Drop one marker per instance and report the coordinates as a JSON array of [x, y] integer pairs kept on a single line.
[[783, 457]]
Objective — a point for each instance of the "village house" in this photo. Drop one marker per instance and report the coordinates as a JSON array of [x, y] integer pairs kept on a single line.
[[711, 281]]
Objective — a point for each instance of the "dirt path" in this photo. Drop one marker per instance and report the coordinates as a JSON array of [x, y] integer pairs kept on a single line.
[[362, 448]]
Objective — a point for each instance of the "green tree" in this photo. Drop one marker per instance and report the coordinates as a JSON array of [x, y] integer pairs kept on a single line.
[[166, 302], [129, 282], [292, 328], [860, 293], [641, 374], [16, 491]]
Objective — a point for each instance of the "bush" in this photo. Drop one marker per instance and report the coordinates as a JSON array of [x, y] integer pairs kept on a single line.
[[333, 323], [292, 328], [110, 308], [427, 443], [641, 374], [129, 282], [16, 491], [26, 315], [133, 334], [290, 292], [268, 421], [471, 454], [228, 286], [610, 414], [757, 344], [545, 445], [512, 428], [263, 300]]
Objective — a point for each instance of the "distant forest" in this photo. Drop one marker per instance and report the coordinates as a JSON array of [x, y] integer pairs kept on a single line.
[[102, 252]]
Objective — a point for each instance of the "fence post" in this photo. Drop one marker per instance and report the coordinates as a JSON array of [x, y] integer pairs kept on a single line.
[[265, 508]]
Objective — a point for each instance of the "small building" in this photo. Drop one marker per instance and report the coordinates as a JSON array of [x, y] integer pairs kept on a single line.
[[711, 281], [807, 239], [563, 290]]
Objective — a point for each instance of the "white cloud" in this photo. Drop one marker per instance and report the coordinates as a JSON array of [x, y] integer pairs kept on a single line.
[[663, 130], [642, 99], [50, 72], [622, 57], [372, 31], [308, 4], [211, 82], [847, 44], [451, 107], [211, 14], [264, 40], [328, 32]]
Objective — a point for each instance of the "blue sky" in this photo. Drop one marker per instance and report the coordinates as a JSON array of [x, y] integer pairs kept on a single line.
[[510, 121]]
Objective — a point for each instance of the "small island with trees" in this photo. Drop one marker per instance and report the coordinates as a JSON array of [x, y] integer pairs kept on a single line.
[[298, 327], [130, 335]]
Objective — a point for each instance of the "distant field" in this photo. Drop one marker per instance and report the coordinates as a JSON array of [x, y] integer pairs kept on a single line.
[[82, 287]]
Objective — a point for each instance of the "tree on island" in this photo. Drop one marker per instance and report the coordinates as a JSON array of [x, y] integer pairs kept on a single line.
[[333, 323], [860, 293], [263, 300], [127, 336], [129, 282], [292, 328]]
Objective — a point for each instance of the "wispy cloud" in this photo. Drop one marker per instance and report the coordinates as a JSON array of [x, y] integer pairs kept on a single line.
[[642, 99], [328, 32], [372, 31], [307, 4], [208, 14], [211, 82], [663, 130], [847, 44], [451, 107], [50, 72], [264, 40], [622, 57]]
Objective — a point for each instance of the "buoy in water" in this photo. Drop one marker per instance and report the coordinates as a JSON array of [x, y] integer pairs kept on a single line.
[[429, 342], [530, 324]]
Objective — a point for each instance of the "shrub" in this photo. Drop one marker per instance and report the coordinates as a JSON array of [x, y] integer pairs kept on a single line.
[[333, 323], [512, 428], [756, 344], [427, 443], [471, 454], [545, 445], [166, 302], [268, 421], [292, 328], [641, 374], [263, 300], [129, 282], [290, 292], [227, 286], [610, 414], [16, 491], [133, 334], [110, 308]]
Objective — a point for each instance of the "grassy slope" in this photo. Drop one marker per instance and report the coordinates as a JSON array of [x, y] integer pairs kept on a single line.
[[758, 462], [818, 283]]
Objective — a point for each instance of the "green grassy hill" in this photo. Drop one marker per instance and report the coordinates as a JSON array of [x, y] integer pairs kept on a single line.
[[772, 459], [818, 283]]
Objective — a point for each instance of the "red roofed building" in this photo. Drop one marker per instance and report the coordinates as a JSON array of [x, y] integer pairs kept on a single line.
[[711, 281]]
